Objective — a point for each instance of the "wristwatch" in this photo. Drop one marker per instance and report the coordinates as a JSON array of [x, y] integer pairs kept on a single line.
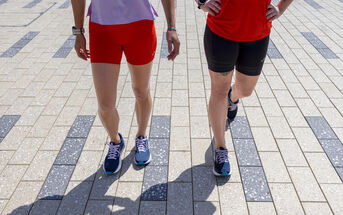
[[77, 31], [200, 3]]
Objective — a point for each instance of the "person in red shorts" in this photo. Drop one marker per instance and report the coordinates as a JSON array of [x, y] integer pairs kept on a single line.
[[117, 27], [236, 38]]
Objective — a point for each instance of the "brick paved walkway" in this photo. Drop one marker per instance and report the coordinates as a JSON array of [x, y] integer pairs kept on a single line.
[[285, 147]]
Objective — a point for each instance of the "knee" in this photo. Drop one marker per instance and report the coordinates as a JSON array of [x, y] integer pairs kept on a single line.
[[105, 107], [219, 92], [141, 93]]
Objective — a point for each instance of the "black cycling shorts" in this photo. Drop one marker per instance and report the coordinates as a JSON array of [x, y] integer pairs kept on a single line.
[[223, 54]]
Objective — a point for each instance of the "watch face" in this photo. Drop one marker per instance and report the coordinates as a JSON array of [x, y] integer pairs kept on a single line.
[[202, 1]]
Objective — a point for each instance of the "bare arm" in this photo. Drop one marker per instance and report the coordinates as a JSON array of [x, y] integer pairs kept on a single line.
[[172, 38], [79, 16]]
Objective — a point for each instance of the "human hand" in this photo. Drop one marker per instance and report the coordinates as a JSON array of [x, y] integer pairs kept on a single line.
[[173, 44], [273, 12], [212, 7], [80, 47]]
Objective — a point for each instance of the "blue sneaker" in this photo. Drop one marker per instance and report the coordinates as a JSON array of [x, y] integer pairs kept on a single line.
[[113, 163], [221, 163], [143, 156], [233, 108]]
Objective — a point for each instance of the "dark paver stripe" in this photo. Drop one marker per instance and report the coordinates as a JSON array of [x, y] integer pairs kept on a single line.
[[164, 48], [58, 178], [330, 143], [7, 122], [15, 48], [253, 178], [32, 4], [313, 4], [156, 174], [273, 52], [66, 4], [65, 49], [325, 51], [3, 2]]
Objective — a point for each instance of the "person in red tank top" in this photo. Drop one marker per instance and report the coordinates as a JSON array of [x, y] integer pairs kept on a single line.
[[236, 38]]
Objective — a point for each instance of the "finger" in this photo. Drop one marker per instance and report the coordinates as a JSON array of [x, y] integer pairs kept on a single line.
[[217, 5], [269, 12], [170, 46], [219, 1], [271, 16], [211, 12], [214, 8], [270, 6]]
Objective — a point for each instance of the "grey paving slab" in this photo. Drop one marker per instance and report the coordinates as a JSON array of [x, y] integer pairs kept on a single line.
[[81, 127], [327, 53], [65, 49], [313, 4], [98, 207], [204, 182], [101, 186], [3, 2], [14, 49], [153, 208], [164, 48], [273, 52], [66, 4], [56, 182], [160, 127], [46, 207], [155, 183], [255, 184], [32, 4], [159, 149], [1, 139], [246, 152], [340, 172], [206, 208], [180, 199], [70, 151], [320, 127], [240, 128], [334, 150], [7, 122], [319, 45], [74, 202]]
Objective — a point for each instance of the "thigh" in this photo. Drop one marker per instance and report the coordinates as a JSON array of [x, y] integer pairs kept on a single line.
[[104, 45], [105, 77], [251, 56], [140, 76], [221, 53], [141, 42]]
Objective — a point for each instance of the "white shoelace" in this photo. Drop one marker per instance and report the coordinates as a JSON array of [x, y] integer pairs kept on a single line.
[[113, 152]]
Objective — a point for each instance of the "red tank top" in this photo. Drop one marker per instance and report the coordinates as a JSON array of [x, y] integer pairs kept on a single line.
[[241, 20]]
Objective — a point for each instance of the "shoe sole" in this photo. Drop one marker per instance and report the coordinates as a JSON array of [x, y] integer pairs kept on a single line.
[[119, 166], [146, 163], [221, 175]]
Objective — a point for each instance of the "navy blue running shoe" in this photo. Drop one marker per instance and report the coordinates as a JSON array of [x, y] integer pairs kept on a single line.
[[221, 163], [233, 108], [143, 156], [113, 163]]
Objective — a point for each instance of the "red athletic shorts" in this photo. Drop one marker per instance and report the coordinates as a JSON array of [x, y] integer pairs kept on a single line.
[[108, 42]]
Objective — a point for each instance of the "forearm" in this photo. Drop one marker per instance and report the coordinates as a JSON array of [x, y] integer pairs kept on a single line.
[[169, 10], [283, 5], [79, 12]]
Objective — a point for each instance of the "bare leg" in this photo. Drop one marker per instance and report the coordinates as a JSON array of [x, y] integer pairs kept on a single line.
[[140, 76], [243, 86], [105, 77], [220, 86]]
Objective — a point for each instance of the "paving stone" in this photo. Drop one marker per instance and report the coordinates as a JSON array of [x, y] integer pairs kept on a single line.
[[327, 53], [159, 149], [261, 208], [70, 152], [6, 124], [81, 126], [180, 167], [86, 166], [155, 183], [75, 199], [312, 38], [307, 140], [334, 196], [291, 152], [179, 198], [65, 5], [164, 48], [246, 152], [334, 150], [180, 138], [340, 172], [104, 187], [130, 171], [160, 127], [202, 153], [316, 208], [255, 184], [56, 183], [204, 184], [153, 207], [127, 198], [98, 207], [5, 157], [233, 201], [240, 128], [200, 127], [65, 49], [10, 178], [205, 208], [32, 4], [274, 167], [48, 207]]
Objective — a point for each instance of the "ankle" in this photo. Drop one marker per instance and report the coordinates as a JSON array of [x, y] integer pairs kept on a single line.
[[116, 139]]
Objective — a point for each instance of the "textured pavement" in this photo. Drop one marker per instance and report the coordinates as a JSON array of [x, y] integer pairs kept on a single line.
[[285, 146]]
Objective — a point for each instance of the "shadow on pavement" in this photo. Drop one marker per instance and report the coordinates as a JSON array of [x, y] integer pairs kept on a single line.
[[76, 200]]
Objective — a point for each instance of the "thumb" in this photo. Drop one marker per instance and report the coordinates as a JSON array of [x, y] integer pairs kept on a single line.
[[170, 46]]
